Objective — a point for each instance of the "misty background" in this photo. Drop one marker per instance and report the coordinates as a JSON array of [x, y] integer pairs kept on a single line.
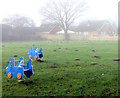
[[59, 20]]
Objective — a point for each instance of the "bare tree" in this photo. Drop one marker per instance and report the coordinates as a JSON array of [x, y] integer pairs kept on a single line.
[[18, 21], [63, 12]]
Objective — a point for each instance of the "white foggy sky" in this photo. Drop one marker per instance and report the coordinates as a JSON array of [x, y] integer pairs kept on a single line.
[[98, 9]]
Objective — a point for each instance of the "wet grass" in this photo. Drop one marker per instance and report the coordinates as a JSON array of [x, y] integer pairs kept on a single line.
[[68, 68]]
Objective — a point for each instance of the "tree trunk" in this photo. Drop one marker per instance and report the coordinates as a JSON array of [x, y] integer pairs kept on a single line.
[[66, 35]]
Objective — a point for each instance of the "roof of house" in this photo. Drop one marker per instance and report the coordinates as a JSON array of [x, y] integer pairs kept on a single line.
[[47, 27], [91, 26], [55, 29]]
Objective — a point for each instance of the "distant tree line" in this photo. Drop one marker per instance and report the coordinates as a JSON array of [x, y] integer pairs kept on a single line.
[[18, 28], [21, 28], [18, 34]]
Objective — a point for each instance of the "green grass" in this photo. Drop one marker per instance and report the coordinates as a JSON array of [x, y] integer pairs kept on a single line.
[[80, 78]]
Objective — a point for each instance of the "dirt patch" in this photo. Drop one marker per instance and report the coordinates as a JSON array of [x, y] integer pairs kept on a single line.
[[52, 66], [94, 64], [66, 48], [70, 85], [105, 66], [50, 91], [93, 50], [21, 82], [96, 57], [88, 86], [3, 45], [76, 50], [54, 63], [59, 48], [117, 60], [39, 60], [40, 87], [26, 83], [54, 50], [77, 59], [15, 55]]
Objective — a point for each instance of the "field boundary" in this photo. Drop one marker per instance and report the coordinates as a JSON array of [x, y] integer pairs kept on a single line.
[[72, 37]]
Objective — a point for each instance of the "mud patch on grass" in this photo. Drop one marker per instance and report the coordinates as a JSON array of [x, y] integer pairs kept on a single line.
[[97, 57], [15, 55], [21, 82], [77, 59], [76, 50], [40, 87], [105, 66], [25, 83], [70, 85], [59, 48], [50, 91], [39, 60], [66, 48], [54, 63], [88, 86], [94, 64], [54, 50], [60, 85], [93, 50], [52, 66], [3, 45], [117, 60]]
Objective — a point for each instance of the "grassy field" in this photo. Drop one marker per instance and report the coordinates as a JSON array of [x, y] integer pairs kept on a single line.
[[83, 68]]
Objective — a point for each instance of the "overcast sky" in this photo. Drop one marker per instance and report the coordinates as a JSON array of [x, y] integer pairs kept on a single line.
[[98, 9]]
